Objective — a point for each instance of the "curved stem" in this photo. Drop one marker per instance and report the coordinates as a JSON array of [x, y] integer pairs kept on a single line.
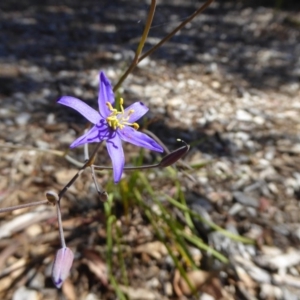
[[60, 228]]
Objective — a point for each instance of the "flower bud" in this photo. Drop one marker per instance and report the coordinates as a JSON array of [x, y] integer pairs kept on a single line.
[[61, 266], [174, 156]]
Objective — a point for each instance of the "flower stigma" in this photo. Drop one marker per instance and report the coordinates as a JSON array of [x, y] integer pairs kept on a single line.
[[118, 119]]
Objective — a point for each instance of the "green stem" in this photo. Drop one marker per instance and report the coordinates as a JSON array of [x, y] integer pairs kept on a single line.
[[173, 256], [201, 245], [212, 225]]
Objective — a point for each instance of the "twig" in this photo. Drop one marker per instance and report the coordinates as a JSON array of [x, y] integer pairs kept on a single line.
[[11, 208], [140, 47], [189, 19]]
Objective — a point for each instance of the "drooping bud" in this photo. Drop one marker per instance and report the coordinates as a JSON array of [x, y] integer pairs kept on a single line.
[[61, 266], [174, 156]]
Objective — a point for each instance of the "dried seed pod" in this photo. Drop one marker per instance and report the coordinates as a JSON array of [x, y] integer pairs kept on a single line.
[[52, 197], [174, 156]]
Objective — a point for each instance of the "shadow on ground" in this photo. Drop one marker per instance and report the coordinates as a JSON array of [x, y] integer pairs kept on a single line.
[[252, 43]]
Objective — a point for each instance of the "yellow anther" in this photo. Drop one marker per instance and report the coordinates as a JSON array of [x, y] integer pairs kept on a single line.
[[108, 104], [135, 126], [118, 119]]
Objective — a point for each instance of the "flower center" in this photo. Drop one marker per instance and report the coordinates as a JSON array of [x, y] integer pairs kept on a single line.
[[119, 119]]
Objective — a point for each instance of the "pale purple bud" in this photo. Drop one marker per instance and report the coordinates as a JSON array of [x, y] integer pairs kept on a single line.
[[62, 265]]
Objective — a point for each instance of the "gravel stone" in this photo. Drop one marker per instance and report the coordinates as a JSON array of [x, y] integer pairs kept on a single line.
[[245, 199]]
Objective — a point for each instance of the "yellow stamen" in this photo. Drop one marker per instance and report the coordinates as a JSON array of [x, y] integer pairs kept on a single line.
[[118, 119], [135, 126], [108, 104]]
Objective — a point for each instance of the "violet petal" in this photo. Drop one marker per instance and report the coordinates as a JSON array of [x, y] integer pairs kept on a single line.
[[96, 134], [116, 153], [88, 112], [106, 94], [139, 109], [62, 265], [130, 135]]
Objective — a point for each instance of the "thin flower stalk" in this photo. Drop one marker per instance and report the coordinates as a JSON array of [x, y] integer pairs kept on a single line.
[[12, 208], [140, 47], [137, 59], [180, 26]]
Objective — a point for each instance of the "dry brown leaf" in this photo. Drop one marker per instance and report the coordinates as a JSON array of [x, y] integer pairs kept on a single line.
[[14, 270], [69, 290], [72, 222], [214, 288], [245, 278], [197, 279], [176, 286], [96, 265], [202, 281], [25, 220], [155, 249], [6, 252]]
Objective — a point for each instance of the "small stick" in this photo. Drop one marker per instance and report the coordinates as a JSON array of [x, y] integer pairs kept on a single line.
[[140, 47], [181, 25], [88, 163], [167, 160], [12, 208]]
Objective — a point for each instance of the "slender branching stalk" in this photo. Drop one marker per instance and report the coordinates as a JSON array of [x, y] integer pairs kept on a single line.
[[140, 47], [137, 58], [12, 208], [180, 26]]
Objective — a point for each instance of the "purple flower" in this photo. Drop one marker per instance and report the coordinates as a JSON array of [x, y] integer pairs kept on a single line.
[[111, 125], [62, 265]]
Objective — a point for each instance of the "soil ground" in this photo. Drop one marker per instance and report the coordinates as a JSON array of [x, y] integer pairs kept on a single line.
[[228, 84]]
